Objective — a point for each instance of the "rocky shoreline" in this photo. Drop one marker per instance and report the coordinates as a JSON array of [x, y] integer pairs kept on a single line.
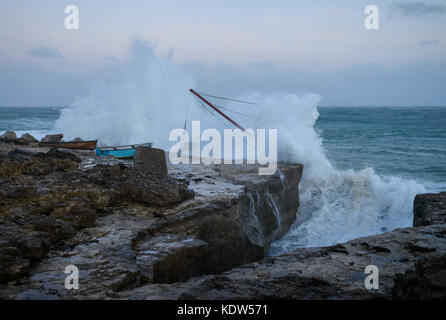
[[411, 264], [201, 232], [124, 228]]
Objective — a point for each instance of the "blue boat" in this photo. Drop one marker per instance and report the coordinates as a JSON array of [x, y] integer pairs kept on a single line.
[[120, 152]]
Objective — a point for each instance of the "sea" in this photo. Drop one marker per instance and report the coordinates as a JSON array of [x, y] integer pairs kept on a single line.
[[380, 158]]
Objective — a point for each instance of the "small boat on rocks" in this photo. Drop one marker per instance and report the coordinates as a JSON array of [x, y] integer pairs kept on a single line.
[[74, 145], [120, 152]]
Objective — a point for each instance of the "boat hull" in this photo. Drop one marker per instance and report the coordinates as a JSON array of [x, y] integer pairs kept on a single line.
[[81, 145], [121, 152]]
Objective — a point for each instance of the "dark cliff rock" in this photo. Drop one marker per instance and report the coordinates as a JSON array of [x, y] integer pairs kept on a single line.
[[234, 231], [150, 160], [26, 138], [8, 136], [411, 263], [45, 198], [52, 138], [429, 209], [142, 236], [127, 184], [140, 228]]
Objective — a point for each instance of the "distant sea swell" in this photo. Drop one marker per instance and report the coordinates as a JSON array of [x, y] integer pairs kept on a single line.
[[37, 121]]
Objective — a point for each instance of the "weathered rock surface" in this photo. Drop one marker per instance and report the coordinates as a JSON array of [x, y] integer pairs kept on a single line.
[[139, 238], [19, 162], [135, 235], [8, 136], [52, 138], [130, 185], [45, 198], [429, 209], [26, 139], [411, 262]]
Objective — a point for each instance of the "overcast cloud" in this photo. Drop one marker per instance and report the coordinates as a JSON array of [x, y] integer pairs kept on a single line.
[[410, 9], [231, 47], [45, 52]]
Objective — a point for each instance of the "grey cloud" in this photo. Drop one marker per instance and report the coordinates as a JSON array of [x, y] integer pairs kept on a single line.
[[111, 58], [45, 52], [414, 84], [30, 84], [412, 9], [428, 43], [262, 65]]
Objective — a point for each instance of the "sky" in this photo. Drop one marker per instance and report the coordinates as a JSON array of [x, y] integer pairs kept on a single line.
[[231, 47]]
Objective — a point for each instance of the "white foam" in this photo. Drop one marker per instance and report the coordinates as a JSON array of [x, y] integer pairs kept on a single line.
[[152, 98], [144, 105], [341, 205]]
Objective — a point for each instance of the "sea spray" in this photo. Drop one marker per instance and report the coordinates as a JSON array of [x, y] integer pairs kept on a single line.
[[336, 206], [148, 100], [152, 98]]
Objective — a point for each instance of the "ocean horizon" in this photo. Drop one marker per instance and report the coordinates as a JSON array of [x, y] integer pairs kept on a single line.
[[353, 137]]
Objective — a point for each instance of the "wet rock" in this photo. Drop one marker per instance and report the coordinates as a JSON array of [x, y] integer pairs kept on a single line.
[[20, 155], [28, 232], [169, 259], [325, 273], [229, 246], [8, 136], [79, 215], [28, 138], [19, 162], [429, 209], [62, 155], [236, 231], [133, 242], [149, 244], [131, 185], [151, 190], [42, 202], [19, 247], [427, 281], [150, 160], [52, 138], [411, 264]]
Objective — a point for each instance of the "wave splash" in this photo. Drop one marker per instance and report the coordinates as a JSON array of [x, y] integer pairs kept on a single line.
[[336, 206], [143, 105], [151, 98]]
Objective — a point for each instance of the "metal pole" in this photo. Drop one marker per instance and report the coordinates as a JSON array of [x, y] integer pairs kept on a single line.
[[216, 109]]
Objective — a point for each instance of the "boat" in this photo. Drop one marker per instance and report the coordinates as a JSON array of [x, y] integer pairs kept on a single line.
[[120, 152], [74, 145]]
